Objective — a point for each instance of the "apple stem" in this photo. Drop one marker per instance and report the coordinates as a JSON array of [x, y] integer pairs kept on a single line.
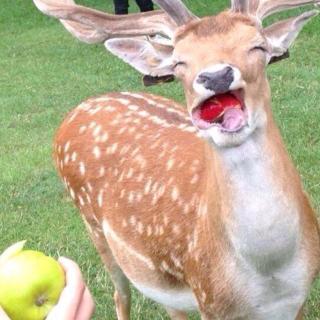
[[40, 301]]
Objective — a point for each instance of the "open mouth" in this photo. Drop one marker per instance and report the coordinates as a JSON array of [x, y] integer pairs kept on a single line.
[[226, 111]]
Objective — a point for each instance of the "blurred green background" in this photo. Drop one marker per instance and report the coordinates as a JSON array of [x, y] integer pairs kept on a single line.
[[44, 73]]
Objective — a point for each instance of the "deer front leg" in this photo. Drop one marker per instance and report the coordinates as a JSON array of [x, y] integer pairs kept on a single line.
[[122, 295], [300, 315], [176, 315]]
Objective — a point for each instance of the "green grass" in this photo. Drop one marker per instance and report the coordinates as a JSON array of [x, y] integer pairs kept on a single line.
[[44, 72]]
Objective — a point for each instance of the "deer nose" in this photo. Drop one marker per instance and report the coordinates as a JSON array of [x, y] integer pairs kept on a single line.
[[218, 81]]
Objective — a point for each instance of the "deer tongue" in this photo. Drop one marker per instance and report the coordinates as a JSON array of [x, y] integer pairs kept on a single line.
[[223, 109], [233, 119]]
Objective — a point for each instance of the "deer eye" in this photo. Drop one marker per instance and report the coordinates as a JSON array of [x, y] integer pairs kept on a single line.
[[179, 64], [260, 48]]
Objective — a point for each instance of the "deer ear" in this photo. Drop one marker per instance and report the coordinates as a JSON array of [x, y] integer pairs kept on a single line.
[[281, 35], [146, 56]]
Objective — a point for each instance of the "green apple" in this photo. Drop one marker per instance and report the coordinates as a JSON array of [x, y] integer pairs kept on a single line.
[[30, 283]]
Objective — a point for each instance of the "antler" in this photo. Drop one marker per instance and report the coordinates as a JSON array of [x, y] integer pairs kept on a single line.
[[177, 11], [95, 26], [264, 8]]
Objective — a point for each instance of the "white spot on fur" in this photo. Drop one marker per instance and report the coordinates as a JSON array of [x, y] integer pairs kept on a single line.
[[143, 114], [122, 130], [174, 273], [175, 193], [92, 124], [170, 164], [147, 187], [82, 168], [149, 230], [195, 179], [133, 107], [131, 130], [100, 198], [176, 229], [67, 146], [176, 261], [139, 197], [112, 149], [66, 159], [101, 172], [104, 137], [130, 173], [131, 197], [81, 201], [186, 209], [140, 177], [96, 130], [96, 152], [124, 149], [82, 129], [133, 220], [123, 101], [141, 161], [72, 194], [88, 198], [89, 186], [140, 227], [74, 156]]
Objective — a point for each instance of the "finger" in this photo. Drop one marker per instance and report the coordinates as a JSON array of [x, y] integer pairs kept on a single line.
[[87, 306], [3, 315], [71, 295]]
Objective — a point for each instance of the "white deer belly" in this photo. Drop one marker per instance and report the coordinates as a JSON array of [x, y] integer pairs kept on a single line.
[[179, 299]]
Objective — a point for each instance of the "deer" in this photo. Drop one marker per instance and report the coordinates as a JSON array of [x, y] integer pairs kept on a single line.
[[199, 207]]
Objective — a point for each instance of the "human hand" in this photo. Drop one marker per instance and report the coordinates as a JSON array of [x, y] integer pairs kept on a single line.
[[75, 302]]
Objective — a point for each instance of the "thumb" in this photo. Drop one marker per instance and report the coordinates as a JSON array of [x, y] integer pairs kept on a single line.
[[3, 315]]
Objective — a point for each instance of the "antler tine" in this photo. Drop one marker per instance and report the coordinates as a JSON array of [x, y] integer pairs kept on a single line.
[[239, 6], [98, 26], [268, 7], [177, 11], [264, 8]]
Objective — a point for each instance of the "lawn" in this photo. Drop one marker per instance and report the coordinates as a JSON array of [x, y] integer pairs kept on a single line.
[[44, 72]]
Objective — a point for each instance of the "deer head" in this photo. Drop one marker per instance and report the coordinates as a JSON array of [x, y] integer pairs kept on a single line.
[[220, 59]]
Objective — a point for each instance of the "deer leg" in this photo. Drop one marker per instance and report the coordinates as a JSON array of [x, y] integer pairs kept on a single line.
[[177, 315], [122, 295], [300, 315]]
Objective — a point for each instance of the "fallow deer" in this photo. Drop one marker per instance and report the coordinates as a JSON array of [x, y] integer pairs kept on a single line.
[[210, 216]]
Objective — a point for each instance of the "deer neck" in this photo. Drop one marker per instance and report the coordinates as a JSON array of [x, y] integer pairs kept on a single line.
[[256, 186]]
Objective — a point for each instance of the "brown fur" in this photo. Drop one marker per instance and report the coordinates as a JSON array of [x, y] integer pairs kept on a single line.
[[219, 24]]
